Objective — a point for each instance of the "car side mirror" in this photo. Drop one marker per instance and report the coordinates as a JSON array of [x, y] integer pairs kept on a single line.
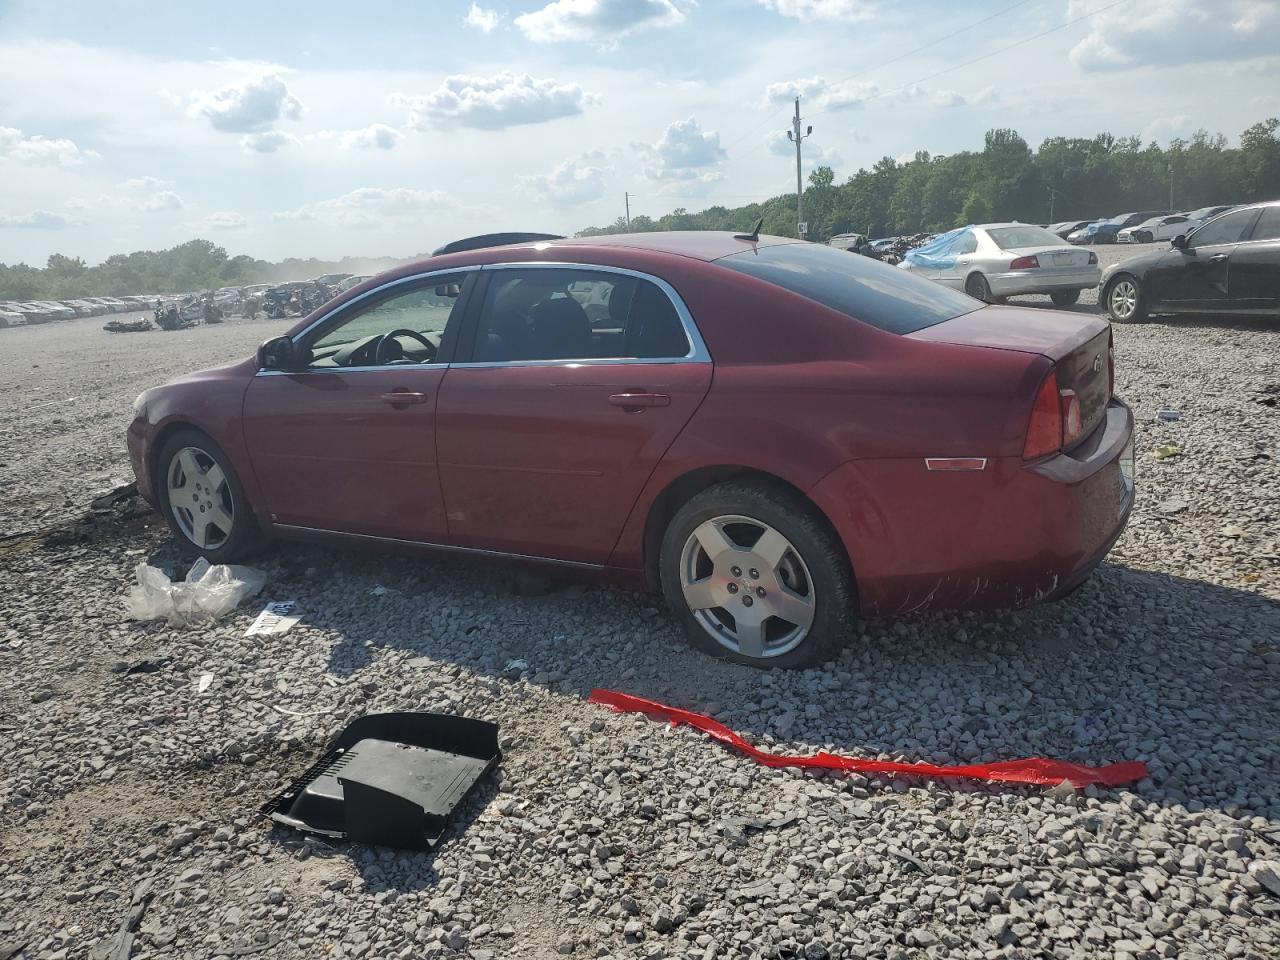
[[1180, 241], [277, 354]]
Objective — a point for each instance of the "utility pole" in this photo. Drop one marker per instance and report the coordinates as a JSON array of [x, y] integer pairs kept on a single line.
[[627, 198], [1053, 195], [1171, 188], [796, 136]]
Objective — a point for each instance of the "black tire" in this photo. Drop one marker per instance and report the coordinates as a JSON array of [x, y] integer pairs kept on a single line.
[[244, 538], [1143, 236], [1115, 299], [977, 287], [1064, 298], [822, 565]]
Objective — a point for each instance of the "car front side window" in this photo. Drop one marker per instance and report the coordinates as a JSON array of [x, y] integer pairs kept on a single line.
[[569, 314], [1226, 229], [403, 326]]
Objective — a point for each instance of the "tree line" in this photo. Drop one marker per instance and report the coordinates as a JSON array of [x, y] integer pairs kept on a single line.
[[192, 266], [1067, 178]]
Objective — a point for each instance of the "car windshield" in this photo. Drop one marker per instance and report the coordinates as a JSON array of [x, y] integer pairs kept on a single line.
[[858, 287], [1012, 238]]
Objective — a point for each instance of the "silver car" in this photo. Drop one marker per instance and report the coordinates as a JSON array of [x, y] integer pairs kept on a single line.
[[992, 261]]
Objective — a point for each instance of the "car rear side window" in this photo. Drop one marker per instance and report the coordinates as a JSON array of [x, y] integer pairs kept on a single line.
[[572, 314], [1268, 226], [859, 287]]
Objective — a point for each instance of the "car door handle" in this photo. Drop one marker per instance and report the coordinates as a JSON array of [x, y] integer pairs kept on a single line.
[[639, 400], [1218, 257], [402, 398]]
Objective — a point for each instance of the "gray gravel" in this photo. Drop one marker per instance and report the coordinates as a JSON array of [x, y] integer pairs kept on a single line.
[[610, 835]]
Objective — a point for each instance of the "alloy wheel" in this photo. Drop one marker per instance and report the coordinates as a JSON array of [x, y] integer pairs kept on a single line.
[[747, 586], [200, 498], [1124, 299]]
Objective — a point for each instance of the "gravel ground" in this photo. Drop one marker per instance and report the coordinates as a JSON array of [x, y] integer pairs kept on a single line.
[[608, 835]]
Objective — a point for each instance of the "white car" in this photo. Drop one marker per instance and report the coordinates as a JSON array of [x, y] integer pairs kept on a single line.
[[1158, 228], [992, 261]]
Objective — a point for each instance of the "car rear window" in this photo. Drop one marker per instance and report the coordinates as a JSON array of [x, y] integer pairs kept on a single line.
[[857, 286], [1012, 238]]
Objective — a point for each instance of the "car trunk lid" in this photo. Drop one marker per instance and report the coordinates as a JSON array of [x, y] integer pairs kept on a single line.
[[1078, 345], [1065, 257]]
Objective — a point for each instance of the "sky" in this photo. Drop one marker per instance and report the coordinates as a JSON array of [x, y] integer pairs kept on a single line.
[[387, 128]]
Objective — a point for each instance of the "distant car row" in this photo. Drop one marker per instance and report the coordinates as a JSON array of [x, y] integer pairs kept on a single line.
[[20, 313], [1143, 226]]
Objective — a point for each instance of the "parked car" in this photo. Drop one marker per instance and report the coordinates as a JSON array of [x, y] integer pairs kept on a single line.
[[1157, 228], [1067, 227], [847, 241], [1228, 265], [870, 442], [347, 284], [9, 317], [997, 260], [1208, 213], [1104, 231]]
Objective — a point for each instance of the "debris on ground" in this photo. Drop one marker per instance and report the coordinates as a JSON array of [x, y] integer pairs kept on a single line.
[[119, 493], [1166, 450], [1031, 770], [1172, 505], [392, 779], [1169, 415], [128, 326], [276, 617], [208, 593]]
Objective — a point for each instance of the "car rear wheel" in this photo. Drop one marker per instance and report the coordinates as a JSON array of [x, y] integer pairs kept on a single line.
[[977, 287], [202, 499], [1124, 299], [755, 575], [1064, 298]]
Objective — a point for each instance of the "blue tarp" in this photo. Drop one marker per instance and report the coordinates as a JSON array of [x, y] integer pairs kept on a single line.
[[936, 254]]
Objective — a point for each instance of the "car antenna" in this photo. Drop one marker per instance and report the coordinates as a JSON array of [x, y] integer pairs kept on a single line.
[[754, 235]]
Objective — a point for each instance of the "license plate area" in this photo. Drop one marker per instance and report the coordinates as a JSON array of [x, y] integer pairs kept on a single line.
[[1064, 259]]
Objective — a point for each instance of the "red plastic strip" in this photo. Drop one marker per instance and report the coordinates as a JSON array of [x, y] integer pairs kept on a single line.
[[1036, 770]]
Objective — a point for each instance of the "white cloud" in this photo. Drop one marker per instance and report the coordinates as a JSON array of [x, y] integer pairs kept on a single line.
[[810, 156], [144, 183], [269, 141], [375, 136], [37, 149], [1171, 33], [38, 220], [250, 105], [575, 181], [225, 221], [372, 206], [483, 20], [684, 152], [1165, 129], [602, 22], [817, 93], [492, 103], [846, 10], [161, 200]]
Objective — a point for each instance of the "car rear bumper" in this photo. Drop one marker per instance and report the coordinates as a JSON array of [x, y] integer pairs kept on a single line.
[[1043, 281], [1008, 535]]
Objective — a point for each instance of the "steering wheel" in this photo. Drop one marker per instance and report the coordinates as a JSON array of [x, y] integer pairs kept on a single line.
[[382, 355]]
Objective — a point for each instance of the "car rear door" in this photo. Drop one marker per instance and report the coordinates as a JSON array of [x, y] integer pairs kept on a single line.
[[1255, 266], [346, 442], [572, 383]]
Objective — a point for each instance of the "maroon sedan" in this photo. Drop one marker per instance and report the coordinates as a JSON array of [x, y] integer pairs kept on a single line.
[[779, 434]]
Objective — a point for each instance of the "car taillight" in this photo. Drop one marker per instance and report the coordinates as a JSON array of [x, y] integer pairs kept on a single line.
[[1044, 431], [1111, 364], [1093, 259], [1025, 263], [1072, 421]]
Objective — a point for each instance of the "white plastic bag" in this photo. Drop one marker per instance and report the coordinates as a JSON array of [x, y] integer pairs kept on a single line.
[[207, 594]]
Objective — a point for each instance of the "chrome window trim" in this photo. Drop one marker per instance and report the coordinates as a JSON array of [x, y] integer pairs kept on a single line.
[[697, 347]]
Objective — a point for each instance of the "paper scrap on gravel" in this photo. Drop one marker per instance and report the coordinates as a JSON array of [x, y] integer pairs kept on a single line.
[[207, 594], [276, 617], [1035, 770]]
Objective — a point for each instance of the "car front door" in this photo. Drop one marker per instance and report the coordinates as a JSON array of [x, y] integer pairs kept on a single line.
[[572, 383], [958, 259], [344, 440], [1195, 278], [1255, 266]]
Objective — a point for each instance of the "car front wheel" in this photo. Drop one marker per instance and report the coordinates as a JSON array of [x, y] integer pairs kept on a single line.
[[755, 575], [1124, 300], [1064, 298], [202, 499]]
